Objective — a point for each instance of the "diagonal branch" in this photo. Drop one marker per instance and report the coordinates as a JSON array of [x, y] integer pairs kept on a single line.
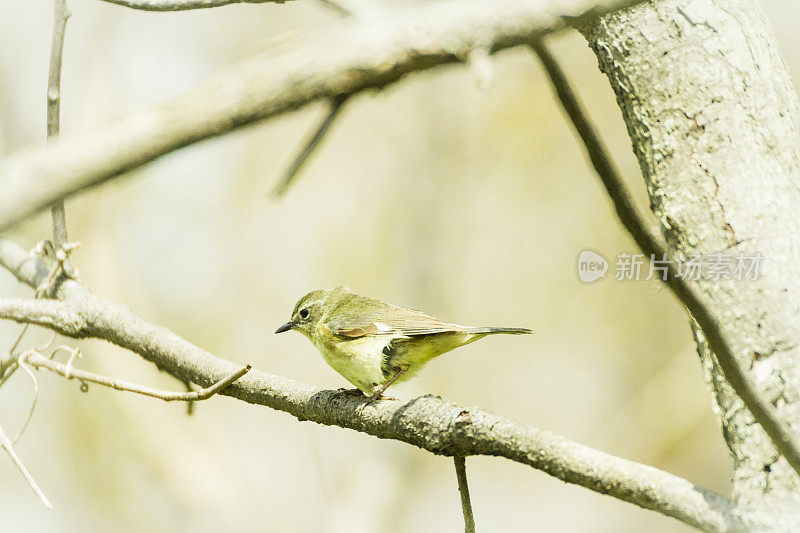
[[8, 447], [428, 422], [338, 6], [354, 55], [309, 146], [38, 361], [184, 5], [652, 246]]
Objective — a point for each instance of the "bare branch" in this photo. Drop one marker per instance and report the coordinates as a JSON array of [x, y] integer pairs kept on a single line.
[[190, 404], [36, 360], [354, 8], [61, 265], [6, 444], [60, 15], [22, 264], [354, 55], [15, 345], [184, 5], [463, 490], [428, 422], [52, 314], [309, 146], [338, 6], [32, 408], [652, 246]]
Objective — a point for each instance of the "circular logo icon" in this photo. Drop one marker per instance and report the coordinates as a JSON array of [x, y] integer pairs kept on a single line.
[[591, 266]]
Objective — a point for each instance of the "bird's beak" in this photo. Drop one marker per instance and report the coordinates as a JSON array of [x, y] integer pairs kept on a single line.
[[286, 327]]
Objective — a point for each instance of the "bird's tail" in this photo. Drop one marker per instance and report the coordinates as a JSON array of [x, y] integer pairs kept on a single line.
[[489, 331]]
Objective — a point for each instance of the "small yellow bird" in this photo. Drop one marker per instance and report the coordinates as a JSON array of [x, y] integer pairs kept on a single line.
[[373, 344]]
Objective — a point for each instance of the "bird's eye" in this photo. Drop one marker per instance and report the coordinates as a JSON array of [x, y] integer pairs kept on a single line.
[[304, 313]]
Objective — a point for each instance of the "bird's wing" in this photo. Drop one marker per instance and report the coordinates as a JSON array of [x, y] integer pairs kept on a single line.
[[395, 321]]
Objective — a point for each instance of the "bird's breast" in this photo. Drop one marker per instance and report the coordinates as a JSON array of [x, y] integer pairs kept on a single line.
[[357, 360]]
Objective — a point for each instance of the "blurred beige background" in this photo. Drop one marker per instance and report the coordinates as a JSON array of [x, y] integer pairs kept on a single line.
[[469, 204]]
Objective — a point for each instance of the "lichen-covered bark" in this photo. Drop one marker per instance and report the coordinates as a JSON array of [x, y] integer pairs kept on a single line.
[[713, 120]]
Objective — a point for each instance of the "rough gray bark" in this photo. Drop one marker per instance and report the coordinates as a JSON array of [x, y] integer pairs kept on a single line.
[[713, 119]]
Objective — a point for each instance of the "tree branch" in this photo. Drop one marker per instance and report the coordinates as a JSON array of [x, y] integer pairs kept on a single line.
[[25, 267], [339, 6], [652, 246], [309, 146], [184, 5], [38, 361], [428, 422], [352, 56], [463, 490], [60, 15], [354, 8], [8, 447]]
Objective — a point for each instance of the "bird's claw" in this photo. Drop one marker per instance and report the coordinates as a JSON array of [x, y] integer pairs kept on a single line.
[[371, 399]]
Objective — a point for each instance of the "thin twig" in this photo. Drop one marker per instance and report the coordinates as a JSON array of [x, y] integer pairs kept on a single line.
[[355, 8], [189, 404], [9, 367], [60, 266], [463, 490], [309, 146], [19, 339], [32, 408], [21, 364], [60, 15], [338, 6], [36, 360], [7, 445], [652, 246], [33, 271]]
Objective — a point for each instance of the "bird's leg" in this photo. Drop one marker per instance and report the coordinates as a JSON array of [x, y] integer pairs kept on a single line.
[[378, 394]]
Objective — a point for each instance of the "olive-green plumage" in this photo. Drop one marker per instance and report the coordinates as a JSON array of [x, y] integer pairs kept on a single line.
[[374, 344]]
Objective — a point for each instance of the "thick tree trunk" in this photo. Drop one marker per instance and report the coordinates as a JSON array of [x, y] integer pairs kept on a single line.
[[713, 119]]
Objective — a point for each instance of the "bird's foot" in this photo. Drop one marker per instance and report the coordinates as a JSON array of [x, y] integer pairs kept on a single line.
[[377, 396]]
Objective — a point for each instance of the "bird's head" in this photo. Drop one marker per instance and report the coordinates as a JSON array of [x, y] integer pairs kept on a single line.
[[307, 313]]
